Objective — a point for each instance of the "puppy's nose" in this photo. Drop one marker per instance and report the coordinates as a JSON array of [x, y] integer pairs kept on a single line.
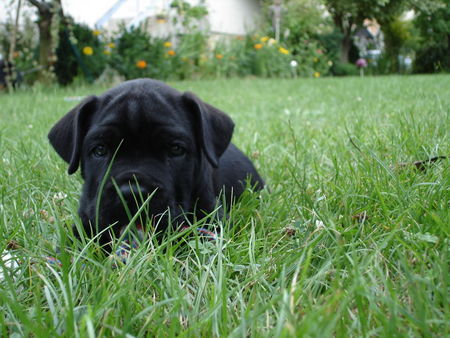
[[131, 191]]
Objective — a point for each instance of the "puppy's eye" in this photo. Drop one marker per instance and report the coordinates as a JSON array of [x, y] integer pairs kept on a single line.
[[176, 150], [99, 151]]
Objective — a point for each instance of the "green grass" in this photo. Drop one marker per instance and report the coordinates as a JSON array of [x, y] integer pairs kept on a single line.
[[297, 262]]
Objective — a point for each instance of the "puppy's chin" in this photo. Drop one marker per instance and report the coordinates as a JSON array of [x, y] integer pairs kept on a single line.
[[154, 221]]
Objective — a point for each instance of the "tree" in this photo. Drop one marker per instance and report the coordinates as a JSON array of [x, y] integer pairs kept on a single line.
[[433, 24], [47, 12], [348, 15]]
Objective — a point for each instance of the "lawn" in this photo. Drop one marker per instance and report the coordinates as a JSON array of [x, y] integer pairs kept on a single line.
[[351, 240]]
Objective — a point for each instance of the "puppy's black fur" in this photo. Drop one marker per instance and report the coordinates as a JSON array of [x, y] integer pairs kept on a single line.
[[159, 141]]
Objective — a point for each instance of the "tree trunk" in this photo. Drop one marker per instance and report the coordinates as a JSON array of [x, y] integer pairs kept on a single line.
[[448, 50], [45, 40], [344, 48], [345, 26], [46, 51]]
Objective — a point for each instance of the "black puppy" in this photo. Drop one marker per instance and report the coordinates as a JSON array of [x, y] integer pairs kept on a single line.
[[150, 139]]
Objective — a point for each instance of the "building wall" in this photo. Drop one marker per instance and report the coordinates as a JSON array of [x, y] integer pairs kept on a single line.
[[225, 17], [237, 17]]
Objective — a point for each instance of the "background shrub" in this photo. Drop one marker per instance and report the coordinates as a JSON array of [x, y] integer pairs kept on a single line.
[[433, 49], [137, 54], [344, 69], [80, 52], [26, 53]]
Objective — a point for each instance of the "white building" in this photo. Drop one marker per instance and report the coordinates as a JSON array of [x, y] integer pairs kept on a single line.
[[225, 17]]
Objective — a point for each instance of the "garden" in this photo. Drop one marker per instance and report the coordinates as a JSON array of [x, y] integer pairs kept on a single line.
[[349, 239], [316, 39]]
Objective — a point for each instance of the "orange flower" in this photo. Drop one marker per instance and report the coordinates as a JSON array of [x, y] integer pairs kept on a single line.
[[141, 64], [88, 50], [171, 52], [219, 56], [258, 46]]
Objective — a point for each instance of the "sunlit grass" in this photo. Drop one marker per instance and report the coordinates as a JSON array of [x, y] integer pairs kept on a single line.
[[347, 242]]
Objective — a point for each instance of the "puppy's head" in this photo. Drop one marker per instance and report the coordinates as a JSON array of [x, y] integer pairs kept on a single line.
[[139, 139]]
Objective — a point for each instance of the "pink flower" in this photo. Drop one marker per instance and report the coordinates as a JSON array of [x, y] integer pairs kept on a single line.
[[361, 63]]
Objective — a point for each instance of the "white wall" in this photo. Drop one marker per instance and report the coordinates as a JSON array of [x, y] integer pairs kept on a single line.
[[236, 17]]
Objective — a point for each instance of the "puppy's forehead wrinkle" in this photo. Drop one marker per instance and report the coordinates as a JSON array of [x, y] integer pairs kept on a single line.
[[144, 91], [144, 86], [138, 107], [131, 119]]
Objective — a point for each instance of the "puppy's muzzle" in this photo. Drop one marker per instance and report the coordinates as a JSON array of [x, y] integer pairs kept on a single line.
[[136, 188], [132, 191]]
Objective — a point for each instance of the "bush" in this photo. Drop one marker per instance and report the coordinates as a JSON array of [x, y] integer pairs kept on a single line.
[[302, 26], [80, 52], [66, 67], [398, 40], [137, 54], [433, 50], [344, 69], [267, 58], [25, 56], [190, 51], [431, 59]]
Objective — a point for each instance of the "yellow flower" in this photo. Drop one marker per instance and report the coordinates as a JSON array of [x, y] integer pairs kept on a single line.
[[141, 64], [171, 52], [111, 45], [283, 51], [96, 32], [264, 39], [316, 74], [107, 52], [167, 44], [88, 50], [258, 46], [219, 56]]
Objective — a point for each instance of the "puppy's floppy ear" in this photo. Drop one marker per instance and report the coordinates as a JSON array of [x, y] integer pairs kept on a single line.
[[213, 127], [67, 134]]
